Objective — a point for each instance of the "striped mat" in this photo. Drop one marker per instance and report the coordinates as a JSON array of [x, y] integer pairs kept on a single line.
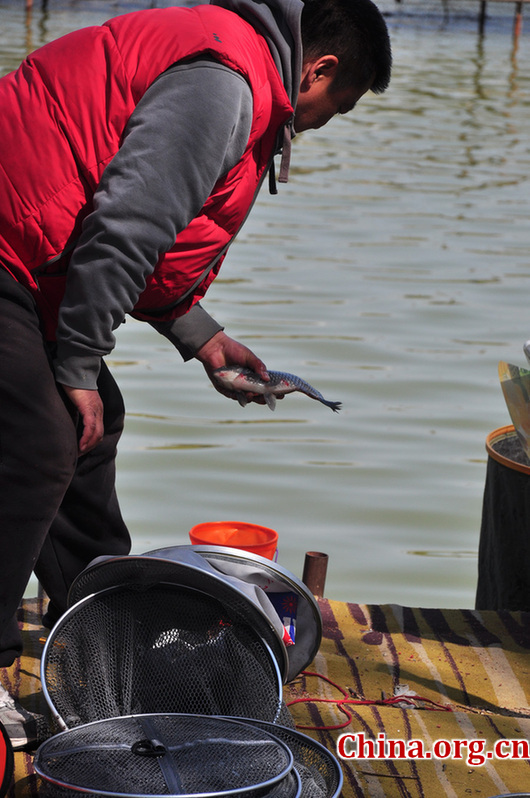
[[427, 675], [23, 682], [423, 678]]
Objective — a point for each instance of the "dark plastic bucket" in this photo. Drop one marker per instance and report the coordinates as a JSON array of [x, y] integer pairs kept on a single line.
[[504, 549]]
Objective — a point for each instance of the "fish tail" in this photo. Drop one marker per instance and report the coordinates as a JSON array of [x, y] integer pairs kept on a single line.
[[335, 406], [295, 383], [304, 387]]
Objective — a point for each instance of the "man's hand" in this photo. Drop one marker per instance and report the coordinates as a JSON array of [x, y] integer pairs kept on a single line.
[[90, 408], [224, 351]]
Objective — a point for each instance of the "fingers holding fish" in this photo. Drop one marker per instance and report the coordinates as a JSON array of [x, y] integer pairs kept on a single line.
[[220, 352]]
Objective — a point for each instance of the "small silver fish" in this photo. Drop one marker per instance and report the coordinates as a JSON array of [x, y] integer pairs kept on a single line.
[[242, 381]]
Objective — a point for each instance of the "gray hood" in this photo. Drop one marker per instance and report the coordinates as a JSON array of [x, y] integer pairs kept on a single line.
[[278, 21]]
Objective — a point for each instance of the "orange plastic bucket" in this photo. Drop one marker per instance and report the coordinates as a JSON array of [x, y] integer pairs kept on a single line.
[[239, 535]]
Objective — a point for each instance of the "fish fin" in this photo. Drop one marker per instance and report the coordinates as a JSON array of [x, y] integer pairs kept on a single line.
[[242, 399], [270, 399]]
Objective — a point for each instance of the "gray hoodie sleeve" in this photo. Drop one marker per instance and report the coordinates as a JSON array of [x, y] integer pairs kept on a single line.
[[190, 331], [190, 128]]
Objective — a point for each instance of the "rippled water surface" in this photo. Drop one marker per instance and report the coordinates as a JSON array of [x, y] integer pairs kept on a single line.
[[392, 273]]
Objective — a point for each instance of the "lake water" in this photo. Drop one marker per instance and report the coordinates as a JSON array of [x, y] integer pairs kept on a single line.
[[393, 273]]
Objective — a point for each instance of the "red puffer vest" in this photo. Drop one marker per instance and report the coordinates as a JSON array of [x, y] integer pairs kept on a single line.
[[67, 107]]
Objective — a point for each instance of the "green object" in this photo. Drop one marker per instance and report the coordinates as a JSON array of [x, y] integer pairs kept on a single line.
[[515, 384]]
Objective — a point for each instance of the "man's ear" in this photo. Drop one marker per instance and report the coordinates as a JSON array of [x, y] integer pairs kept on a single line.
[[325, 66]]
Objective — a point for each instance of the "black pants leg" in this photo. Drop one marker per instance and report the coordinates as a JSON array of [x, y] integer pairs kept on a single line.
[[56, 512], [89, 522], [38, 453]]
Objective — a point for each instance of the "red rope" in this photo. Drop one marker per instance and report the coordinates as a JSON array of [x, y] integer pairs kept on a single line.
[[341, 702]]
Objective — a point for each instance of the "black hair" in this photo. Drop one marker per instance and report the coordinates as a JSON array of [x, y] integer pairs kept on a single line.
[[354, 31]]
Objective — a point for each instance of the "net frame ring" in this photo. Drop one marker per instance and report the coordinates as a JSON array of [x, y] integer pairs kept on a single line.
[[284, 782], [188, 569], [255, 569], [53, 671], [309, 755]]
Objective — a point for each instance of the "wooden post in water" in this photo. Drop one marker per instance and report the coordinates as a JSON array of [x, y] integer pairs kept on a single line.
[[482, 16], [518, 20], [315, 569]]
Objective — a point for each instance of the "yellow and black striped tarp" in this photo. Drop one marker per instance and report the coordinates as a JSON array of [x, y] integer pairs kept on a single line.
[[422, 678], [422, 675]]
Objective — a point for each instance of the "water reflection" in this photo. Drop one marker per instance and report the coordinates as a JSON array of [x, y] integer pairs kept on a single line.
[[444, 553]]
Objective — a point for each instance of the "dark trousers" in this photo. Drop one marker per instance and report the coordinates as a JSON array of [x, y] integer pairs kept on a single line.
[[57, 511]]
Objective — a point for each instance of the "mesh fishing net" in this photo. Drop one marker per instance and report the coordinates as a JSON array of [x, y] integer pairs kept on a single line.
[[161, 648], [319, 771], [247, 604], [164, 754], [292, 600], [138, 667]]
